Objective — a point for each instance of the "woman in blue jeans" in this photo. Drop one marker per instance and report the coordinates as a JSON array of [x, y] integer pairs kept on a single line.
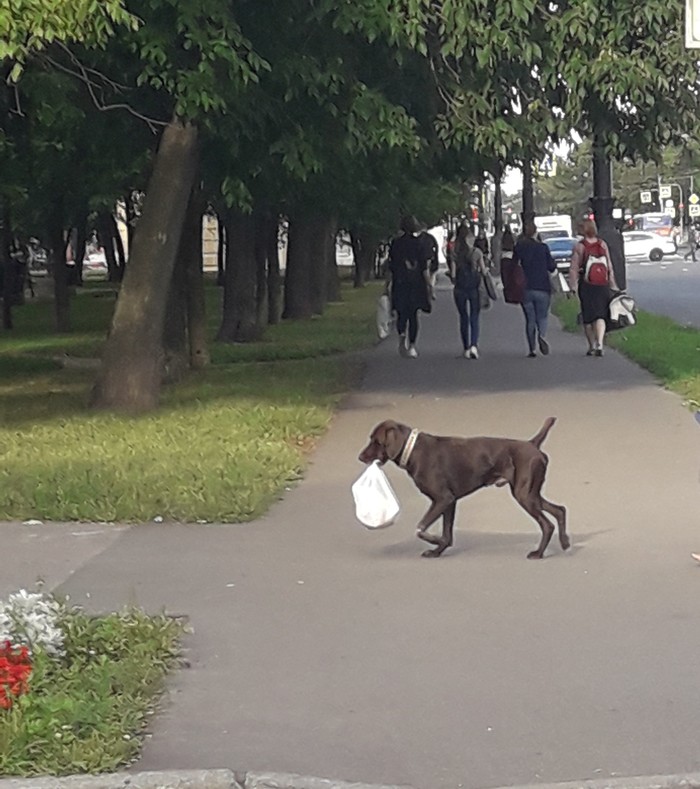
[[537, 264], [466, 269]]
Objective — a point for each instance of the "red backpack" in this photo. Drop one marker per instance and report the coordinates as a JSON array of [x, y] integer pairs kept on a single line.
[[595, 263]]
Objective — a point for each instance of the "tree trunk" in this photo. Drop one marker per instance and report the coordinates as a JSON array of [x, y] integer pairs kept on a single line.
[[61, 273], [131, 371], [106, 239], [274, 276], [363, 251], [528, 213], [221, 253], [130, 215], [262, 223], [602, 204], [498, 200], [76, 274], [196, 302], [497, 239], [318, 244], [239, 321], [117, 236], [298, 300], [7, 269], [175, 345], [332, 273]]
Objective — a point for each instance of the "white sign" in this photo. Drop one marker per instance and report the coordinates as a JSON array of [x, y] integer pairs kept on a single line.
[[617, 213], [645, 197], [664, 192], [694, 210], [670, 211], [694, 199], [668, 203], [692, 24]]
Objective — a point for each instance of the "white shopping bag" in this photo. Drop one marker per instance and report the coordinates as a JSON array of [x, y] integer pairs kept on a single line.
[[383, 316], [376, 505]]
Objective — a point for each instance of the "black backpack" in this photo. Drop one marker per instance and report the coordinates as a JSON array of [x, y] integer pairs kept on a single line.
[[467, 276]]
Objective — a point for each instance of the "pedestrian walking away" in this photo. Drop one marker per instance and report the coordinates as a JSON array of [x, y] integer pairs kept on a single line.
[[467, 269], [409, 284], [537, 264], [512, 275], [592, 274], [431, 253]]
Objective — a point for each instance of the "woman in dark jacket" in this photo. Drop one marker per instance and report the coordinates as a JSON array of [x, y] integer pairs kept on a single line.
[[537, 264], [411, 289]]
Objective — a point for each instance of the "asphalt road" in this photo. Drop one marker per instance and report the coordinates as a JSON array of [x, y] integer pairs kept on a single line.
[[670, 287]]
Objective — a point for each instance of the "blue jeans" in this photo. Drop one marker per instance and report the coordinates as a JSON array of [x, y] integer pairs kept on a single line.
[[469, 307], [536, 309]]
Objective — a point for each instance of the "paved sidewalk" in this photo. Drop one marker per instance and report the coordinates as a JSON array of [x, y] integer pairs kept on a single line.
[[321, 648]]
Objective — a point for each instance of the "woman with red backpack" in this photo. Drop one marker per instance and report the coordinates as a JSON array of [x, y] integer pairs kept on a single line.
[[593, 276]]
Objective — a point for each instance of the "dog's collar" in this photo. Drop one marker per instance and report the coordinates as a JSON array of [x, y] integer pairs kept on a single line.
[[408, 448]]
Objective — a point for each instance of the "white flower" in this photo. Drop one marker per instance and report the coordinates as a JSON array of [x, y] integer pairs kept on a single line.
[[32, 619]]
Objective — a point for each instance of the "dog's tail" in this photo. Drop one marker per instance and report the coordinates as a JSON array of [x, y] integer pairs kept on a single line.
[[538, 440]]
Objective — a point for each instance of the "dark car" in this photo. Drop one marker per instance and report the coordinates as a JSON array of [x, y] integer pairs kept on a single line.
[[562, 250]]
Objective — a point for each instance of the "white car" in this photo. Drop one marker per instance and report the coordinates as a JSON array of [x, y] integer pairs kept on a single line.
[[647, 246]]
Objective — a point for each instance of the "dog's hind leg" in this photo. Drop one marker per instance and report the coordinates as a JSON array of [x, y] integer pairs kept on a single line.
[[559, 514], [445, 541], [526, 491]]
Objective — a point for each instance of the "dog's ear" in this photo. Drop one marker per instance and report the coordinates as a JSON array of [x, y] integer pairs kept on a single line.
[[391, 435]]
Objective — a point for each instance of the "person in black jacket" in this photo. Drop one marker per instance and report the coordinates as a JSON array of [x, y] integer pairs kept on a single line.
[[537, 264], [410, 283]]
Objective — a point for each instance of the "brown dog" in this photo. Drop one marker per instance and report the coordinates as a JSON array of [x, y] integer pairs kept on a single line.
[[447, 469]]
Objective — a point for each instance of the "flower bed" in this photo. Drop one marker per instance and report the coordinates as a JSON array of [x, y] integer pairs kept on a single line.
[[76, 690]]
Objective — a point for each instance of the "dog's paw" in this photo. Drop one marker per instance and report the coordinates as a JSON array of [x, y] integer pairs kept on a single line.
[[432, 553], [565, 543], [534, 555]]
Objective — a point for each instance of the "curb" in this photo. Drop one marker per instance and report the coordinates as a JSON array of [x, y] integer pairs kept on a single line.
[[186, 779], [679, 781], [228, 779]]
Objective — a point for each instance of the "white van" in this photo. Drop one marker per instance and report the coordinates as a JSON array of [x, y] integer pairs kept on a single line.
[[555, 226]]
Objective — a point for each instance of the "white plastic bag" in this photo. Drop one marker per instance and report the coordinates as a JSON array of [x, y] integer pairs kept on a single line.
[[376, 505], [383, 316]]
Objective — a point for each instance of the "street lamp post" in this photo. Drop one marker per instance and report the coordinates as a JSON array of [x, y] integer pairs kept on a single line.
[[602, 204]]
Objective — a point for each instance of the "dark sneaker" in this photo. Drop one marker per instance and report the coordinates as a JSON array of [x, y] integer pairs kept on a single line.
[[544, 346]]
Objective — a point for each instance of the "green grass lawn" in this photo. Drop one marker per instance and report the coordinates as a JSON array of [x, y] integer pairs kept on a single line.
[[668, 350], [222, 447]]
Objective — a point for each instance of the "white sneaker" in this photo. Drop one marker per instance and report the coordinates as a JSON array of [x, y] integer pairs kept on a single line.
[[468, 353], [412, 352], [474, 351]]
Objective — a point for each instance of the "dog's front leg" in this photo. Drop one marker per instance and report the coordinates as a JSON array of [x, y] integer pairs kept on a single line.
[[444, 542], [447, 510]]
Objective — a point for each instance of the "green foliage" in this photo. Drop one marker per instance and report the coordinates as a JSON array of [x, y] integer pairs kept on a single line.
[[29, 26], [627, 73], [85, 713], [58, 463]]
